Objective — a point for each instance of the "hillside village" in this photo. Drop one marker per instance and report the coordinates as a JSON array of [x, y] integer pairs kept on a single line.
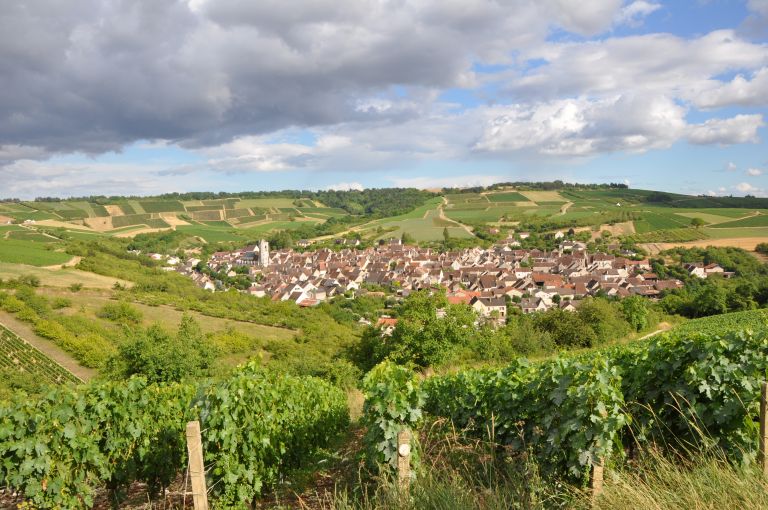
[[486, 279]]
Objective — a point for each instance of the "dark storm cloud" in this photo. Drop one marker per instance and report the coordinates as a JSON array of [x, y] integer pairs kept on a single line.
[[94, 75]]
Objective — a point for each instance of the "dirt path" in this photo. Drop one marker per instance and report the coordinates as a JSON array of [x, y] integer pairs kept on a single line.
[[564, 208], [663, 326], [46, 346], [70, 263]]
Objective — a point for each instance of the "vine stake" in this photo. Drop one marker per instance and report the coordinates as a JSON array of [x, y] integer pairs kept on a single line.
[[196, 468], [763, 427], [404, 459], [597, 478]]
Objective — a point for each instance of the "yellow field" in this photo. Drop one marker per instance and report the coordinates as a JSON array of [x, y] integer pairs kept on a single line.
[[169, 317], [543, 196], [57, 277]]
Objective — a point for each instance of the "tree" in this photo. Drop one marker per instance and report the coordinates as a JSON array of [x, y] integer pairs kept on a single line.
[[407, 238], [446, 235], [422, 337], [162, 357], [635, 310], [697, 222]]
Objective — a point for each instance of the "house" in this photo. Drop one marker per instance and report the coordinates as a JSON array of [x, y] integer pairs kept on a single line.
[[531, 305], [386, 325], [489, 307]]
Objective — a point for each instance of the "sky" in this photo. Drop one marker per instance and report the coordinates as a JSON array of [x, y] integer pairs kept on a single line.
[[141, 97]]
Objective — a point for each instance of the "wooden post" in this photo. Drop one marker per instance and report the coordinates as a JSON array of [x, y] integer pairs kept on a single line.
[[404, 459], [597, 478], [196, 467], [763, 458]]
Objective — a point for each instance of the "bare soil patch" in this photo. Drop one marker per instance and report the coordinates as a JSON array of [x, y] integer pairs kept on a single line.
[[100, 224], [114, 210], [147, 230], [173, 220]]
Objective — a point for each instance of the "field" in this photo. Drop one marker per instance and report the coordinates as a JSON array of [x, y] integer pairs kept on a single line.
[[423, 224], [59, 277], [31, 253], [759, 220], [543, 196], [506, 197]]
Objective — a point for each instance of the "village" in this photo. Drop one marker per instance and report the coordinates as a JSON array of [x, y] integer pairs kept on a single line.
[[488, 280]]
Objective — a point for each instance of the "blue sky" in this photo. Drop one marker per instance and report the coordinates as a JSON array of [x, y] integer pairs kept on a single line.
[[229, 95]]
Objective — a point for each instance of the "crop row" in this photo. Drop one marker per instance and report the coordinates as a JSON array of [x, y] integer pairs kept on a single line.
[[256, 425], [571, 412], [17, 354]]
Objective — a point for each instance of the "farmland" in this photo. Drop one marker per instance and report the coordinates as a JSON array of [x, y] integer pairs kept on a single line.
[[243, 219], [18, 355], [31, 252]]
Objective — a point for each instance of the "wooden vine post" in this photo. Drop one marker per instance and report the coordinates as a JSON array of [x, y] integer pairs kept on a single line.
[[596, 484], [196, 467], [404, 459], [763, 427]]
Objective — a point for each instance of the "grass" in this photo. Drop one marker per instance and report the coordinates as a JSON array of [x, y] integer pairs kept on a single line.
[[760, 220], [30, 235], [706, 481], [650, 221], [423, 224], [506, 197], [212, 234], [266, 203], [543, 196], [728, 233], [59, 277], [31, 253]]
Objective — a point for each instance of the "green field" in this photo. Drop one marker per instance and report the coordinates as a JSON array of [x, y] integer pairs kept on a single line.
[[728, 233], [31, 253], [30, 235], [423, 224], [506, 197], [164, 206], [650, 221], [760, 220]]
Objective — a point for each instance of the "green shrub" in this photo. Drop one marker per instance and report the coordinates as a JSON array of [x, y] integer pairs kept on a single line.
[[121, 312]]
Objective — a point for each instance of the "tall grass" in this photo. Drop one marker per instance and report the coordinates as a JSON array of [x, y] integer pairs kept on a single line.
[[704, 481]]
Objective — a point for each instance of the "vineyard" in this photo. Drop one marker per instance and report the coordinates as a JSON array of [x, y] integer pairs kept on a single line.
[[572, 413], [17, 354], [59, 451], [755, 320]]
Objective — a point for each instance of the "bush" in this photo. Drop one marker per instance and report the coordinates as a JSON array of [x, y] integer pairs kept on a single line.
[[121, 312]]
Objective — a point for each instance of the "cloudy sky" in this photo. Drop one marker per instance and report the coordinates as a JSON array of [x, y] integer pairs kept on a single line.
[[147, 96]]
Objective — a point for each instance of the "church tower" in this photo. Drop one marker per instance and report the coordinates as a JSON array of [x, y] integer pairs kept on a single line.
[[263, 253]]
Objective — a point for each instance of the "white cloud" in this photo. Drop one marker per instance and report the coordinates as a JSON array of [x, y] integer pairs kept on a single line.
[[580, 127], [754, 172], [738, 129], [748, 188], [661, 64], [730, 167], [459, 181], [634, 13], [346, 186], [739, 91]]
